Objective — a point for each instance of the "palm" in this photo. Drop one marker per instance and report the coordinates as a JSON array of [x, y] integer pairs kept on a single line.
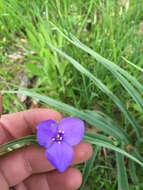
[[28, 168]]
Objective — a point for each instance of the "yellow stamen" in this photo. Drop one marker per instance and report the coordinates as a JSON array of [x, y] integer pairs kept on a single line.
[[53, 139], [61, 138], [60, 131], [58, 136], [59, 142], [63, 132]]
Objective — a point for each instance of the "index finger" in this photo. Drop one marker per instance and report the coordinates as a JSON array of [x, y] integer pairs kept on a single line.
[[17, 125]]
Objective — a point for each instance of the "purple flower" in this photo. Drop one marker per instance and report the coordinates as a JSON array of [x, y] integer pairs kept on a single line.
[[59, 139]]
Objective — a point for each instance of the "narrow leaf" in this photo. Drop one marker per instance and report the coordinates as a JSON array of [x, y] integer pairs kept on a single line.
[[31, 138], [108, 63], [88, 166], [102, 60], [100, 137], [121, 173], [137, 67], [112, 130], [112, 147], [132, 172], [103, 88]]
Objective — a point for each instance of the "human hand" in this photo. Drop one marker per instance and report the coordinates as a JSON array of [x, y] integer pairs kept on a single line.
[[27, 168]]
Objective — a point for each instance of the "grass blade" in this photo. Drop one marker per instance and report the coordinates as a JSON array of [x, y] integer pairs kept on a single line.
[[103, 88], [112, 147], [115, 69], [102, 60], [31, 138], [109, 129], [101, 137], [88, 166], [132, 172], [121, 173], [86, 17], [137, 67]]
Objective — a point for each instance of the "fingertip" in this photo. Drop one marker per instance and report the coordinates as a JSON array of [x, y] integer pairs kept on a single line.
[[44, 114], [75, 178], [34, 116], [82, 151], [55, 115], [17, 125], [88, 150], [71, 179]]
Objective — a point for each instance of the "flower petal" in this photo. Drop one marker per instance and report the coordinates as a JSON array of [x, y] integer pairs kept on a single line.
[[60, 155], [46, 130], [73, 130]]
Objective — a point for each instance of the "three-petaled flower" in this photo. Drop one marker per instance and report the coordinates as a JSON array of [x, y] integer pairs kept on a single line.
[[59, 139]]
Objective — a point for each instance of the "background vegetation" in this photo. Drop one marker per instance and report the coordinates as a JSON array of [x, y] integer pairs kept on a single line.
[[33, 38]]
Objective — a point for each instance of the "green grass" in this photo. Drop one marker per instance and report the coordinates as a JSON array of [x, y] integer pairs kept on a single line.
[[111, 28]]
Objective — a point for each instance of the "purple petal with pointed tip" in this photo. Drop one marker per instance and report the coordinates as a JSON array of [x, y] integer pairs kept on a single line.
[[60, 155], [73, 130], [46, 130]]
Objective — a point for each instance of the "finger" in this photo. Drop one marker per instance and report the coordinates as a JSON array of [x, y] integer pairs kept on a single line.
[[21, 124], [3, 183], [69, 180], [0, 105], [33, 183], [20, 164]]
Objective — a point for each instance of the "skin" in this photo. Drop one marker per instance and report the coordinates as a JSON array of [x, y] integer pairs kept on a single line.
[[27, 168]]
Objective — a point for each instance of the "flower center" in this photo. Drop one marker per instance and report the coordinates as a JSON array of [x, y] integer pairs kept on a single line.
[[59, 137]]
